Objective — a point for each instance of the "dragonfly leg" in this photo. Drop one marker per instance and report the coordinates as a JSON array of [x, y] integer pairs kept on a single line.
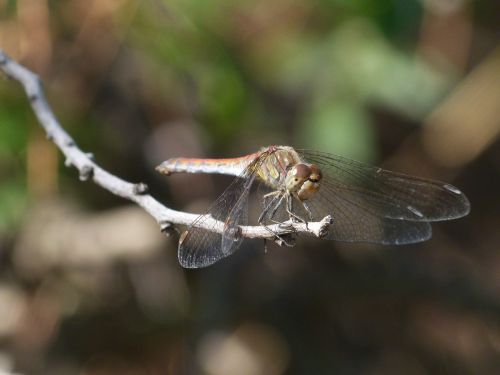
[[272, 193], [269, 205], [306, 207], [279, 237], [289, 210], [275, 208], [268, 213]]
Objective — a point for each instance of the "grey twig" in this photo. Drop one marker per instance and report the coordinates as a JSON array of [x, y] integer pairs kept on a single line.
[[137, 193]]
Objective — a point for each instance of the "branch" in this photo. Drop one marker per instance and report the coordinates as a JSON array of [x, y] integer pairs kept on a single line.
[[137, 193]]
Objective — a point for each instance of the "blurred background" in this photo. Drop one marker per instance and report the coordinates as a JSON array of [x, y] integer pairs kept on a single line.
[[89, 285]]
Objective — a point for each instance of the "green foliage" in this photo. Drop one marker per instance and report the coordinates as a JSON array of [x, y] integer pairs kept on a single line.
[[346, 59], [342, 127], [13, 202], [13, 127], [13, 138]]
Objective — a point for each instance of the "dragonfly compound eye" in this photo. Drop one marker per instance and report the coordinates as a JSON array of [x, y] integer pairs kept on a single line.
[[301, 172], [312, 183], [315, 175], [297, 176]]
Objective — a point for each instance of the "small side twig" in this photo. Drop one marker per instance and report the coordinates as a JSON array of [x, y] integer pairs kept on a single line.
[[89, 170]]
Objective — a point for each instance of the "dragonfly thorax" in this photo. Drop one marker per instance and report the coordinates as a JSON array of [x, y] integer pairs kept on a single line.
[[303, 179]]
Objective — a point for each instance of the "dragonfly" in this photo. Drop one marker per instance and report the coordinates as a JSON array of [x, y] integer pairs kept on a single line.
[[367, 203]]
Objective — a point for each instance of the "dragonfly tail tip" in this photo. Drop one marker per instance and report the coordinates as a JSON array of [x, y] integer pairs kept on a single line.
[[163, 169]]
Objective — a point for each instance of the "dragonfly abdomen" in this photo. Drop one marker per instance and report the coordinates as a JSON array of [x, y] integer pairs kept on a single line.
[[229, 166]]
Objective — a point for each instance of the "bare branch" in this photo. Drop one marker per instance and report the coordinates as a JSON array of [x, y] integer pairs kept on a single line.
[[137, 193]]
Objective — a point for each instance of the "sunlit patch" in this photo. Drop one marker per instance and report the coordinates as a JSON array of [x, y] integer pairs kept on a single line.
[[251, 349]]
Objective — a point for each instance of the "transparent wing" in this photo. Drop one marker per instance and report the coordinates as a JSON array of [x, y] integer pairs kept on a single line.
[[352, 222], [388, 194], [201, 247], [371, 204]]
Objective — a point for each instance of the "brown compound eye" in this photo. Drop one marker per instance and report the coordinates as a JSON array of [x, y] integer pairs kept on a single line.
[[301, 171], [315, 174]]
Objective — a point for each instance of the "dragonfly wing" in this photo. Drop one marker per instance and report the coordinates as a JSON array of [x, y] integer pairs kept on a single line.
[[201, 245], [352, 222], [384, 193]]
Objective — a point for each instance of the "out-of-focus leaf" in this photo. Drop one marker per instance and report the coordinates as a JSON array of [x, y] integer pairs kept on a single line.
[[341, 128], [13, 200], [357, 64], [13, 138], [13, 128], [396, 18], [378, 72], [222, 95]]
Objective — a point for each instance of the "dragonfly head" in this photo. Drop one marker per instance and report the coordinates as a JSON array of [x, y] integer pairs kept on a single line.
[[304, 179]]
